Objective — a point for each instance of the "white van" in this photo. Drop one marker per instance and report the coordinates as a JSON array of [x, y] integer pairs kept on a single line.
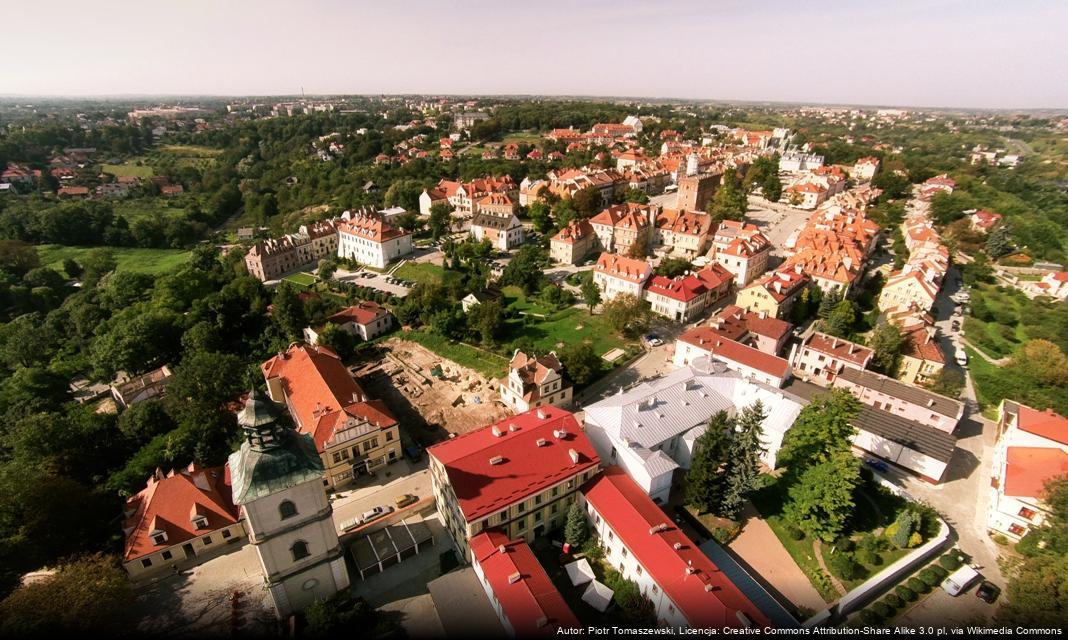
[[961, 358], [959, 581]]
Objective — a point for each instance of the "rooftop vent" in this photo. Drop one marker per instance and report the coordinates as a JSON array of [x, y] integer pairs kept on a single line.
[[513, 427], [690, 571], [496, 459], [559, 434], [514, 578], [541, 415], [710, 588], [542, 442], [497, 431], [676, 546], [574, 455], [502, 549]]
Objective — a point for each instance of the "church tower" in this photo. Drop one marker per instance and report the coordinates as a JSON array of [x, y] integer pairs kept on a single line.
[[277, 478]]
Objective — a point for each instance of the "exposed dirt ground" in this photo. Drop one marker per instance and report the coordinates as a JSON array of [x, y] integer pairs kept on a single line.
[[433, 407]]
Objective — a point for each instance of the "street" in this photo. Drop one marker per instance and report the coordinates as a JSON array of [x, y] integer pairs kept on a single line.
[[400, 478]]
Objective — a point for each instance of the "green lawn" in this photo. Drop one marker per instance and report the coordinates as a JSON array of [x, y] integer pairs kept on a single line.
[[140, 208], [985, 380], [515, 299], [569, 326], [190, 150], [302, 279], [154, 261], [488, 364], [127, 170], [424, 272], [522, 137]]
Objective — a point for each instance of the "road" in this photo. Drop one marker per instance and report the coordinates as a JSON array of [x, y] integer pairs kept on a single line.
[[403, 477]]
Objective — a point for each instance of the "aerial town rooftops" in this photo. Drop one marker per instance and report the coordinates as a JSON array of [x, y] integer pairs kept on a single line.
[[683, 288], [839, 348], [624, 268]]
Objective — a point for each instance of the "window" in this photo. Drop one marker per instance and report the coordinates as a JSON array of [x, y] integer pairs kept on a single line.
[[299, 550], [554, 508], [1028, 514], [166, 555], [638, 568], [146, 563], [159, 539], [504, 515], [226, 533], [1016, 529], [537, 499], [389, 436], [624, 552], [287, 509], [207, 540], [656, 589], [522, 507]]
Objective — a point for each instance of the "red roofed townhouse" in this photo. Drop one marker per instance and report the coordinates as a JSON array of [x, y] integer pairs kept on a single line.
[[865, 169], [1054, 284], [565, 135], [446, 154], [353, 434], [640, 540], [742, 249], [911, 288], [681, 299], [619, 226], [534, 381], [717, 280], [822, 357], [685, 233], [171, 190], [921, 355], [805, 195], [629, 158], [775, 293], [495, 221], [369, 240], [984, 221], [179, 518], [573, 243], [462, 196], [521, 593], [18, 174], [367, 319], [73, 192], [746, 360], [757, 329], [519, 475], [1031, 450], [616, 275]]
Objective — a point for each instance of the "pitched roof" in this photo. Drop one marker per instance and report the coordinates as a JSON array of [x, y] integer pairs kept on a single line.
[[531, 603], [701, 592], [533, 370], [370, 227], [366, 312], [168, 503], [325, 400], [574, 231], [922, 439], [783, 283], [735, 323], [624, 268], [1047, 424], [681, 288], [524, 469], [715, 276], [708, 339], [897, 389], [494, 221], [1028, 469], [839, 348], [920, 343]]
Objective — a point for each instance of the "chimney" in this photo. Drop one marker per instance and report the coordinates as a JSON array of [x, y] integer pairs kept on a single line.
[[502, 549], [514, 578], [513, 427], [497, 431], [542, 442], [496, 460], [574, 456], [676, 546], [541, 415]]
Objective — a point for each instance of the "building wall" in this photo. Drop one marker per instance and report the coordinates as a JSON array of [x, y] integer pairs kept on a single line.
[[374, 450], [927, 467], [757, 299], [917, 371], [204, 546], [899, 407], [820, 368], [611, 286]]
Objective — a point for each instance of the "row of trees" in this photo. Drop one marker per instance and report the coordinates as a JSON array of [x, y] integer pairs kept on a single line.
[[725, 468]]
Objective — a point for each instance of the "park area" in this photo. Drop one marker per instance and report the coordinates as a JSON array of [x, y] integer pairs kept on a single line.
[[151, 261]]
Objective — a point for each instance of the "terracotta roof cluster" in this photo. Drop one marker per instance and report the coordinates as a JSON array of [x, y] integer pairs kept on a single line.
[[1048, 424], [325, 400], [985, 220], [682, 288], [783, 283], [624, 268], [921, 343], [740, 239], [692, 223], [522, 589], [503, 463], [369, 227], [628, 215], [183, 504], [709, 339], [735, 323], [703, 593], [533, 371], [715, 276], [576, 230]]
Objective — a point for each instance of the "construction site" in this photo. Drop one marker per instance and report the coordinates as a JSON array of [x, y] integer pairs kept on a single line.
[[431, 396]]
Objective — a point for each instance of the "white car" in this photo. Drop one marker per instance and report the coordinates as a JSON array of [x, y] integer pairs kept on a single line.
[[961, 358]]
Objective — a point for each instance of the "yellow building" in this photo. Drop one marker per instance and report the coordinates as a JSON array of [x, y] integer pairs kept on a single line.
[[775, 294]]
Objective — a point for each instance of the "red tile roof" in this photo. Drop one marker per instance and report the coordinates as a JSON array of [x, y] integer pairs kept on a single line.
[[483, 488], [169, 502], [322, 394], [370, 228], [682, 288], [708, 339], [363, 313], [1028, 469], [920, 343], [715, 276], [574, 231], [531, 603], [839, 348], [734, 323], [700, 591], [1047, 424], [783, 283], [623, 268]]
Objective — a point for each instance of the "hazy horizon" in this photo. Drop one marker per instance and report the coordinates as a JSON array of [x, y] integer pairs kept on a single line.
[[939, 54]]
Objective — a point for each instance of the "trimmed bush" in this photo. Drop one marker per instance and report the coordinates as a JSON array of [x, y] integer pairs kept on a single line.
[[902, 529], [882, 610], [867, 616], [915, 539], [917, 585], [932, 576], [794, 532], [894, 601], [950, 561], [905, 593], [844, 544], [869, 557], [843, 566]]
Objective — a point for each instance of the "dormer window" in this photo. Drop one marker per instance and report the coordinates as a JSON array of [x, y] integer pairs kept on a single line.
[[200, 522], [159, 537]]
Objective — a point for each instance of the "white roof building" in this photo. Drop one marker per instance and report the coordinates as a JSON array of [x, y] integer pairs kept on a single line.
[[651, 429]]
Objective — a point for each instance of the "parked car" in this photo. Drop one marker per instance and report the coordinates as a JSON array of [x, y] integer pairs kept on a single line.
[[653, 340], [375, 514], [959, 581], [956, 325], [961, 358], [877, 464], [988, 592], [413, 452], [405, 500]]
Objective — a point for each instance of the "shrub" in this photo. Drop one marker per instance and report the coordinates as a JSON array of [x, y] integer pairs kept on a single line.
[[893, 601], [882, 610], [932, 576], [794, 532], [869, 617], [723, 535], [999, 539], [902, 529], [844, 544], [905, 593], [950, 561], [869, 557], [917, 585], [915, 539], [843, 566]]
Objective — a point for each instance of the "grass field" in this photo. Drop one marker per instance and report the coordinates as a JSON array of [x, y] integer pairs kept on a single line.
[[190, 150], [488, 364], [522, 137], [558, 328], [301, 279], [154, 261], [140, 208], [127, 170], [985, 380], [424, 272]]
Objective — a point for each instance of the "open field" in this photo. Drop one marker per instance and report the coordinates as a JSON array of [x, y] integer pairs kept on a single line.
[[301, 279], [154, 261], [190, 150], [424, 272], [127, 170], [141, 208], [559, 328], [487, 363], [522, 137]]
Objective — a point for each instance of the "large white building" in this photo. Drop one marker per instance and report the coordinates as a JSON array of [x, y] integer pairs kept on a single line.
[[651, 429], [615, 275], [371, 241]]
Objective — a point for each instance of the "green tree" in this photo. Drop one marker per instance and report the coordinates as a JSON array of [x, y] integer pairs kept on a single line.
[[591, 294], [142, 421], [440, 220], [487, 320], [729, 201], [72, 268], [742, 474], [527, 268], [97, 263], [828, 302], [1037, 593], [338, 339], [636, 195], [999, 242], [326, 268], [581, 362], [88, 594], [672, 267], [586, 201], [705, 480], [638, 249], [771, 187], [899, 533], [821, 501], [948, 382], [840, 322], [404, 193], [823, 426], [886, 342], [287, 312], [541, 215], [628, 315], [576, 530]]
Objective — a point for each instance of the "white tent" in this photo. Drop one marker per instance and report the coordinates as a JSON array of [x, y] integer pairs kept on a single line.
[[579, 572], [598, 596]]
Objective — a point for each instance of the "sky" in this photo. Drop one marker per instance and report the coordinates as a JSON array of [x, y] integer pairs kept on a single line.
[[933, 53]]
